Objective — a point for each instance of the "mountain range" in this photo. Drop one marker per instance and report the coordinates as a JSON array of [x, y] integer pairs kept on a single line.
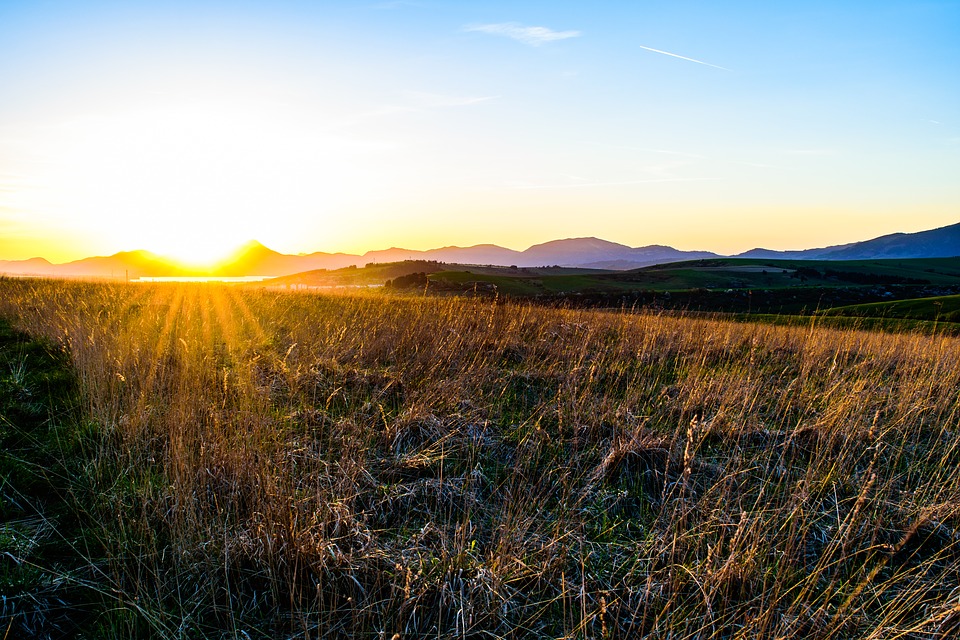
[[255, 259]]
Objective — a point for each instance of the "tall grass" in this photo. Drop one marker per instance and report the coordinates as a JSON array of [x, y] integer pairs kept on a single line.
[[265, 464]]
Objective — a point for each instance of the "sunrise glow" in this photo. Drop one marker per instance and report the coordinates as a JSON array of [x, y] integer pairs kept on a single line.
[[358, 126], [191, 180]]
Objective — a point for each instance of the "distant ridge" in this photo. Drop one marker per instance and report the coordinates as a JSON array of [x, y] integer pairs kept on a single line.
[[804, 254], [942, 242], [256, 259], [935, 243], [253, 258]]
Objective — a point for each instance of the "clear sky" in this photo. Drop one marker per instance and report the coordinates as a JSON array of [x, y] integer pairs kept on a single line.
[[188, 127]]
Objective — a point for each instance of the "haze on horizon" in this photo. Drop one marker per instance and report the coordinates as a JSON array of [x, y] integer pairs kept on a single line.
[[187, 128]]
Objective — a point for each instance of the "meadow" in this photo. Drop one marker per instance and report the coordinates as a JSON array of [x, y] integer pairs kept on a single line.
[[936, 308], [207, 461]]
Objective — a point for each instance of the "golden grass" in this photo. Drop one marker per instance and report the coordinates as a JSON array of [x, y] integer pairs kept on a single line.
[[293, 465]]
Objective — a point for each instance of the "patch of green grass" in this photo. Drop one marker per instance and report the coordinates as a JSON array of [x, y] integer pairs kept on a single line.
[[379, 273], [716, 275], [583, 284], [50, 540], [934, 309], [38, 520], [507, 285], [888, 325], [935, 271]]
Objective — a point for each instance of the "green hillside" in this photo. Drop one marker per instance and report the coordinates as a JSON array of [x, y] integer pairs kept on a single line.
[[714, 274], [939, 308], [762, 273], [888, 289], [515, 280]]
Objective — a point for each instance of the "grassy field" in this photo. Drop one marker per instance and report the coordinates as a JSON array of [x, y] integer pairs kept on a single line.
[[728, 285], [934, 309], [759, 273], [205, 461], [783, 277], [515, 281], [827, 320], [727, 273]]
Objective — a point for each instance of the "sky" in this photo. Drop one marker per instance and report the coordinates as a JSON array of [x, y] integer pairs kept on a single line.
[[187, 128]]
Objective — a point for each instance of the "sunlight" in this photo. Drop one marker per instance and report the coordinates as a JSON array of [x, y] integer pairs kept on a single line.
[[199, 250], [193, 180]]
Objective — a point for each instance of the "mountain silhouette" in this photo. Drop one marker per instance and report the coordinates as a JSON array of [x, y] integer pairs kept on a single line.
[[942, 242], [255, 259]]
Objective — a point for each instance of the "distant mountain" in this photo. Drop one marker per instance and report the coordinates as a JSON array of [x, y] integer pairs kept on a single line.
[[935, 243], [648, 256], [38, 266], [126, 264], [477, 254], [255, 259], [943, 242], [571, 252], [131, 264], [804, 254], [576, 251]]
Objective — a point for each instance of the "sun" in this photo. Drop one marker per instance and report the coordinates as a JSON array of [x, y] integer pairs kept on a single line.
[[199, 241], [191, 180], [198, 249]]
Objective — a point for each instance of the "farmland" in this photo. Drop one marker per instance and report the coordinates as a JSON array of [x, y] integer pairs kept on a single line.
[[729, 285], [207, 461]]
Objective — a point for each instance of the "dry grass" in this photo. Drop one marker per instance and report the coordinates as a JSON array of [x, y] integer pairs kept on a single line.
[[289, 465]]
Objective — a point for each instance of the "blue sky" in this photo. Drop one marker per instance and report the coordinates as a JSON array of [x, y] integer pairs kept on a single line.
[[189, 127]]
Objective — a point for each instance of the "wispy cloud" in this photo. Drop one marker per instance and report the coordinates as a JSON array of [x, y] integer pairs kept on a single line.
[[758, 165], [423, 100], [396, 4], [668, 152], [678, 154], [677, 55], [411, 102], [619, 183], [811, 152], [532, 36], [681, 154]]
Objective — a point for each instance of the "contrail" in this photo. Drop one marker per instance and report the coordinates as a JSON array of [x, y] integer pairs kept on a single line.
[[674, 55]]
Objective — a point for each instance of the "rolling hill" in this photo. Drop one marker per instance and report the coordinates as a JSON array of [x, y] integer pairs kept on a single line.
[[717, 284]]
